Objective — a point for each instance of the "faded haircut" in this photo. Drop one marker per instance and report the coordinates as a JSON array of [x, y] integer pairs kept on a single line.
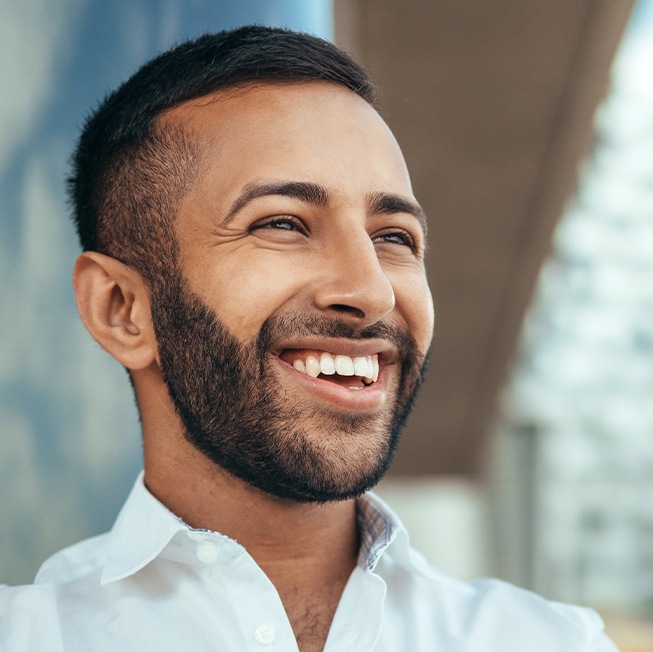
[[131, 168]]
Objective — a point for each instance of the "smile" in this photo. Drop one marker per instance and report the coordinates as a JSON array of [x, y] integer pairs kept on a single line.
[[353, 375], [323, 363], [353, 372]]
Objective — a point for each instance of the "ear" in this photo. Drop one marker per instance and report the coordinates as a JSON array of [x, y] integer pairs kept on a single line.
[[113, 303]]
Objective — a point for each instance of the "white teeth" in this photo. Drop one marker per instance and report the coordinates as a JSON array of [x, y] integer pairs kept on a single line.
[[344, 365], [327, 364], [312, 366], [365, 367], [361, 368]]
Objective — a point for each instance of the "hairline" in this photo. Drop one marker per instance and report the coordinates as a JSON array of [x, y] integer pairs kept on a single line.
[[166, 122]]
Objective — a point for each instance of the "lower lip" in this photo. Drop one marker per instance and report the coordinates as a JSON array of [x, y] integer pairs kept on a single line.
[[364, 400]]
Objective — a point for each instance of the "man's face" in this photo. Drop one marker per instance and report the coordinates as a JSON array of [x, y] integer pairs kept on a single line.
[[300, 255]]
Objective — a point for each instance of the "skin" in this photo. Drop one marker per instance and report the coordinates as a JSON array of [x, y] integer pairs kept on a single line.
[[274, 256]]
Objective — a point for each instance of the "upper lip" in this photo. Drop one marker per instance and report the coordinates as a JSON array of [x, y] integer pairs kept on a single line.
[[386, 350]]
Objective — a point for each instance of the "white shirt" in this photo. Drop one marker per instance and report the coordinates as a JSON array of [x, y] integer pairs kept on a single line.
[[153, 584]]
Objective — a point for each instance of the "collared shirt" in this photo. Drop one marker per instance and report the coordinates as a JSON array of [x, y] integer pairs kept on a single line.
[[154, 584]]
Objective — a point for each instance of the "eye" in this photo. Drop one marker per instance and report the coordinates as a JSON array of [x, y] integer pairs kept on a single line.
[[396, 237], [280, 223]]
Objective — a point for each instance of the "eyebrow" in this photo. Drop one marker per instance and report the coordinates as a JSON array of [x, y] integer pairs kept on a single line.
[[389, 203], [310, 193], [316, 195]]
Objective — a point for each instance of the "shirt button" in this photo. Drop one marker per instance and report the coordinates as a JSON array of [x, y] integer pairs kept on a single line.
[[264, 635], [208, 553]]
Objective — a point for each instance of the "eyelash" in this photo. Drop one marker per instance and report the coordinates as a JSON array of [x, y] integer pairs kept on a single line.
[[405, 239], [275, 222]]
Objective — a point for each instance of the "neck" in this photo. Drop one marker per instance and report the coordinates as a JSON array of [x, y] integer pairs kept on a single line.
[[307, 550], [290, 541]]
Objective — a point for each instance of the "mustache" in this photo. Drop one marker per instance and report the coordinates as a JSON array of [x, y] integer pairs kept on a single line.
[[301, 325]]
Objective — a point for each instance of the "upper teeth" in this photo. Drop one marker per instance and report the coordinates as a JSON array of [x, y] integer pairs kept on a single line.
[[366, 367]]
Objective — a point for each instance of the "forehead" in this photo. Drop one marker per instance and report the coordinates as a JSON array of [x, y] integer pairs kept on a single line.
[[316, 132]]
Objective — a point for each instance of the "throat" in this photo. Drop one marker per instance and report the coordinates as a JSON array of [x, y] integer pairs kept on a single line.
[[311, 614], [308, 552]]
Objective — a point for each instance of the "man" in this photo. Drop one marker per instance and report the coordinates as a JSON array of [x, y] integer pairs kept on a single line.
[[254, 257]]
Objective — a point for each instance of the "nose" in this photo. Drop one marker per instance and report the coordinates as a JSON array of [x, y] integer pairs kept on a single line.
[[353, 283]]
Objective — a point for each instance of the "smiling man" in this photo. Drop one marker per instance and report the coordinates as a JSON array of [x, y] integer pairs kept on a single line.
[[254, 257]]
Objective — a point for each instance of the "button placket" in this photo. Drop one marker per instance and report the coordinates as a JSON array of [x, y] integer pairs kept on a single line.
[[260, 612]]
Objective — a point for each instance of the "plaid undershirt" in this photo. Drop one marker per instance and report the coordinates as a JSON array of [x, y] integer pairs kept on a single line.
[[375, 529]]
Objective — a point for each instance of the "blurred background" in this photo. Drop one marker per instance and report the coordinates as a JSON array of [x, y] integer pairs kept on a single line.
[[528, 130]]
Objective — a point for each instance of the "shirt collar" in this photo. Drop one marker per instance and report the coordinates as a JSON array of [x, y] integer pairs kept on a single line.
[[379, 528], [145, 527]]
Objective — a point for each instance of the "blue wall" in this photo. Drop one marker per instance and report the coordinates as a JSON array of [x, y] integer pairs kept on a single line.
[[69, 433]]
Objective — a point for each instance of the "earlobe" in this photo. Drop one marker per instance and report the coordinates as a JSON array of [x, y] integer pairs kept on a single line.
[[113, 303]]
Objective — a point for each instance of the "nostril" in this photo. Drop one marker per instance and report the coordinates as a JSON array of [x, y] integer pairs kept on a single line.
[[341, 307]]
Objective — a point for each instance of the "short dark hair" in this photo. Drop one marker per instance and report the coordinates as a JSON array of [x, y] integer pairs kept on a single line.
[[129, 171]]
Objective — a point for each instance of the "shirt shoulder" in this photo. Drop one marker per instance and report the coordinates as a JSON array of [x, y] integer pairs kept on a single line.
[[434, 610], [82, 558], [29, 619], [30, 614], [487, 614]]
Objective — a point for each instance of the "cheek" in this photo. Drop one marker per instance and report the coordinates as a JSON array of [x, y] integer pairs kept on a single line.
[[246, 296], [415, 303]]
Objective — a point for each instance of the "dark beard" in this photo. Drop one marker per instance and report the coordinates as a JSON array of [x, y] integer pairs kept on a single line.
[[234, 410]]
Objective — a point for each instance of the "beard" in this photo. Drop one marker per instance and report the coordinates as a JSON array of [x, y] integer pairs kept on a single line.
[[234, 409]]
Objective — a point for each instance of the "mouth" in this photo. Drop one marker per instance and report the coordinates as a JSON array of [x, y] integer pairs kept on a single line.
[[349, 375], [354, 372]]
